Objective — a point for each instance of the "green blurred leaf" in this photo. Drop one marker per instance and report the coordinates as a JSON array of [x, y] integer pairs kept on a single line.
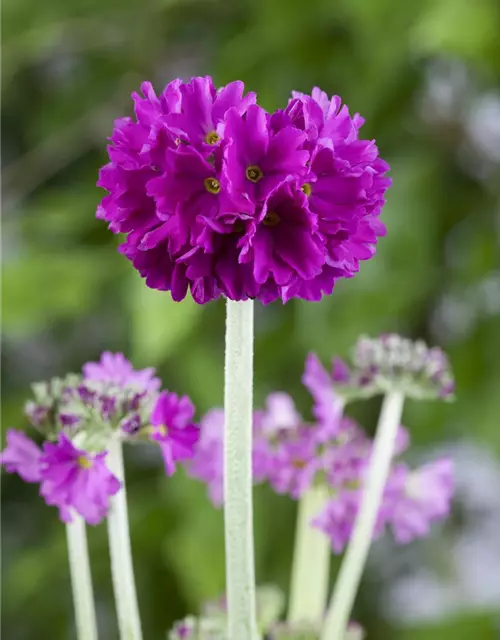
[[462, 27], [42, 288], [159, 324]]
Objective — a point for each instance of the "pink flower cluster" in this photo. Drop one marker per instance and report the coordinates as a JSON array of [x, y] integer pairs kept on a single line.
[[293, 456], [220, 198], [77, 480]]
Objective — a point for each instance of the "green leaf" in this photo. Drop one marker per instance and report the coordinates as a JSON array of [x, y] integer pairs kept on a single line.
[[158, 323]]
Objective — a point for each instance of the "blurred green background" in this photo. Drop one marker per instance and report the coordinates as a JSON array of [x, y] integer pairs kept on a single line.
[[426, 75]]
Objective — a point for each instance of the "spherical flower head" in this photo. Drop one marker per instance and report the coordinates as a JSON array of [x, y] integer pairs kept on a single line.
[[219, 198], [394, 362], [415, 499], [115, 369], [21, 456], [75, 480], [173, 429]]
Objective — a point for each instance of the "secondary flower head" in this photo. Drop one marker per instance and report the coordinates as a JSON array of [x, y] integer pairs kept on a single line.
[[294, 631], [309, 631], [192, 628], [173, 428], [412, 501], [73, 479], [219, 198], [392, 361]]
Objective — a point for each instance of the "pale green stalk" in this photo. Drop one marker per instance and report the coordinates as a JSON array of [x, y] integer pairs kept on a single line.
[[238, 510], [311, 562], [81, 579], [349, 577], [122, 569]]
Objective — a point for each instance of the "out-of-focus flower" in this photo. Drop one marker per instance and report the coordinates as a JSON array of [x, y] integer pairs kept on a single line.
[[415, 499], [192, 628], [21, 456], [219, 197], [392, 361], [294, 631], [269, 601], [173, 428], [207, 464], [114, 368], [73, 479]]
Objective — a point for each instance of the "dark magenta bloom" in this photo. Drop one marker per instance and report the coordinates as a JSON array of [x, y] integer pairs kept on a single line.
[[21, 456], [74, 480], [220, 198], [173, 428]]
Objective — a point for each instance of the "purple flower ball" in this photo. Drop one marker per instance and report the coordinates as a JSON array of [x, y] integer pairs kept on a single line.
[[220, 198]]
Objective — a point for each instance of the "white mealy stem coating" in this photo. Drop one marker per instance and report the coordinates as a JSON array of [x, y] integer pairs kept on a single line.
[[122, 569], [238, 510], [81, 579]]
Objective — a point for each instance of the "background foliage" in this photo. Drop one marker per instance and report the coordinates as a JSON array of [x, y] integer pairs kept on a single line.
[[426, 76]]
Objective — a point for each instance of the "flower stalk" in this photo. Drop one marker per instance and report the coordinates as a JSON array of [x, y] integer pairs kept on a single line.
[[122, 569], [81, 579], [349, 577], [311, 562], [238, 509]]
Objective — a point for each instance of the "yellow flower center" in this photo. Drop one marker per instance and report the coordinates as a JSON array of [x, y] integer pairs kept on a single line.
[[271, 219], [254, 173], [84, 462], [306, 188], [212, 185], [212, 137]]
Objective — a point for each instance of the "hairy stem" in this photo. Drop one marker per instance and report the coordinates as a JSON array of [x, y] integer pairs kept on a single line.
[[122, 569], [349, 577], [81, 579], [238, 510]]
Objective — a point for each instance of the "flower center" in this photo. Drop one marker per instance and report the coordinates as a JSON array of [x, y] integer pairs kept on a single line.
[[212, 137], [238, 227], [298, 464], [84, 462], [271, 219], [254, 173], [306, 188], [212, 185]]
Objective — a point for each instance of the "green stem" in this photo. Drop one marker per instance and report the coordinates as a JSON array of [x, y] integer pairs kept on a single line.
[[349, 577], [81, 579], [311, 562], [238, 509], [122, 569]]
